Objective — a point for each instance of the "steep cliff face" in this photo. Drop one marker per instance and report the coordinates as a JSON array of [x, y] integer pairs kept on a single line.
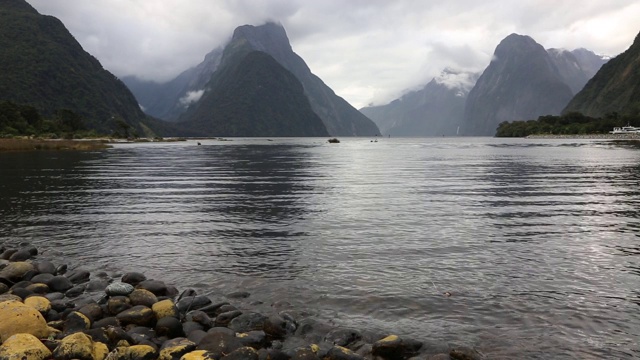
[[520, 83], [338, 116], [435, 110], [576, 67], [615, 88], [45, 67], [253, 95], [169, 100]]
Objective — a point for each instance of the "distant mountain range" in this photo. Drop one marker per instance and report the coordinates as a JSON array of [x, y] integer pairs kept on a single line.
[[45, 67], [189, 90], [523, 81], [614, 89], [435, 110]]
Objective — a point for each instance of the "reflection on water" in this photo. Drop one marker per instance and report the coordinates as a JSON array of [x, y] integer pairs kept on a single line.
[[536, 239]]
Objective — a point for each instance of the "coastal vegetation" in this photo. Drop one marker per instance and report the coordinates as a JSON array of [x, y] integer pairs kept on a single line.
[[572, 123]]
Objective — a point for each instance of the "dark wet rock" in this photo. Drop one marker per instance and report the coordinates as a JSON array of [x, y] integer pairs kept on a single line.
[[394, 347], [225, 308], [97, 285], [76, 322], [138, 315], [119, 289], [272, 354], [60, 305], [38, 288], [133, 278], [200, 317], [29, 275], [174, 349], [158, 288], [118, 304], [254, 339], [93, 311], [189, 326], [75, 291], [21, 292], [212, 310], [464, 354], [42, 278], [248, 322], [56, 324], [78, 276], [275, 326], [20, 255], [15, 271], [98, 334], [54, 296], [60, 283], [222, 330], [142, 297], [341, 353], [105, 322], [7, 254], [45, 267], [117, 334], [30, 248], [219, 343], [3, 288], [21, 284], [238, 295], [310, 329], [243, 353], [225, 318], [61, 270], [141, 333], [343, 337], [305, 353], [281, 304], [192, 303], [172, 292], [170, 327], [196, 335]]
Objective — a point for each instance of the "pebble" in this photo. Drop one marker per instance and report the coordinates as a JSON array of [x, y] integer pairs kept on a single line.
[[78, 315]]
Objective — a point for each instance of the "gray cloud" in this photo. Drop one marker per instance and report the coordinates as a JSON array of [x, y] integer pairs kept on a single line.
[[366, 50]]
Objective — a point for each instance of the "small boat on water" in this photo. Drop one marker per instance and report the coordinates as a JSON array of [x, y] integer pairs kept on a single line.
[[625, 130]]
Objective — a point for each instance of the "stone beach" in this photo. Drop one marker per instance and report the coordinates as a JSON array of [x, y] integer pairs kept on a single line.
[[48, 311]]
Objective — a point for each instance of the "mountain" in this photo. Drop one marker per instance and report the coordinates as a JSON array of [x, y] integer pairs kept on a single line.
[[521, 83], [436, 109], [169, 100], [45, 67], [253, 95], [576, 67], [615, 88]]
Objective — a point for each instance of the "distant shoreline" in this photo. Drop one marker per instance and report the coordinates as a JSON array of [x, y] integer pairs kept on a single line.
[[51, 145], [587, 136]]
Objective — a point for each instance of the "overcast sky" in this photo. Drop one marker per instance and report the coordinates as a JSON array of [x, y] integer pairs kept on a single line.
[[367, 51]]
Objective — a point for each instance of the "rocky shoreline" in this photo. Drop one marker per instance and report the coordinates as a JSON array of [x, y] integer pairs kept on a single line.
[[51, 312], [588, 136]]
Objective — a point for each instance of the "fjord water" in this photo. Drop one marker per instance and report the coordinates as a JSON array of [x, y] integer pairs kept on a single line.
[[536, 240]]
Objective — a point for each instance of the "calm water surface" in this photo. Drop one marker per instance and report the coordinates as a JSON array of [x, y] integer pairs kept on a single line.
[[537, 240]]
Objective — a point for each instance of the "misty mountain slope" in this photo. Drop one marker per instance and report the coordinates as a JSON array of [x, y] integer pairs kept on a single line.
[[520, 83], [576, 67], [45, 67], [252, 95], [435, 110], [168, 100], [615, 88]]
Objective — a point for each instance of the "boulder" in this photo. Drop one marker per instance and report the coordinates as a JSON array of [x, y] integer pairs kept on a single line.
[[343, 337], [198, 355], [118, 304], [20, 255], [45, 267], [60, 283], [133, 278], [19, 318], [225, 318], [135, 352], [174, 349], [3, 288], [78, 276], [219, 343], [254, 339], [38, 288], [24, 347], [16, 270], [76, 322], [92, 310], [40, 303], [248, 322], [170, 327], [138, 315], [164, 308], [119, 289], [243, 353], [159, 288], [80, 346], [193, 303], [393, 347], [142, 297], [341, 353]]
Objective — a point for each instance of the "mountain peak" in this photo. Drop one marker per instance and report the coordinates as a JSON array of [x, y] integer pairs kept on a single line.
[[265, 37]]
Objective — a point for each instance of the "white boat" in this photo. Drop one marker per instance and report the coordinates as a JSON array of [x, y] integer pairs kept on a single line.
[[625, 130]]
